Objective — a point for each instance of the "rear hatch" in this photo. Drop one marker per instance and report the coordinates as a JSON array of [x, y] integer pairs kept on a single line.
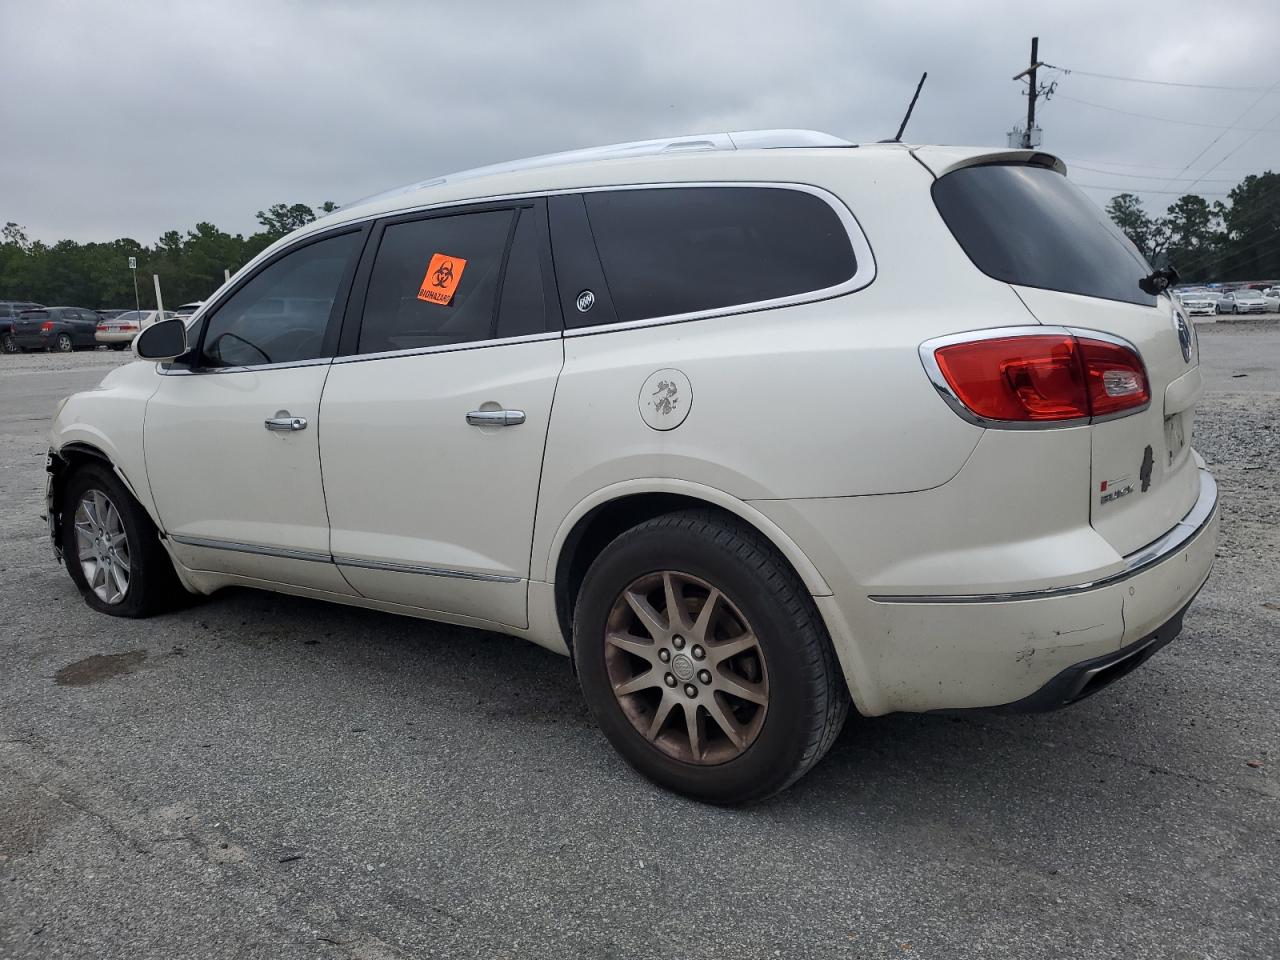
[[1020, 220], [30, 321]]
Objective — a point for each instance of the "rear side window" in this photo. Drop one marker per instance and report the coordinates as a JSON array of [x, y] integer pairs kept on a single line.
[[1030, 226], [689, 249], [459, 278]]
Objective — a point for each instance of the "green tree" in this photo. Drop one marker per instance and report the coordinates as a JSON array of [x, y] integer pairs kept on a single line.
[[1149, 235], [1250, 247], [1193, 236]]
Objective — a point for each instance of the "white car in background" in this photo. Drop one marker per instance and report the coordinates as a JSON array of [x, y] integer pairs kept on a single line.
[[1198, 303], [185, 310], [1243, 301], [1272, 296], [683, 411], [120, 331]]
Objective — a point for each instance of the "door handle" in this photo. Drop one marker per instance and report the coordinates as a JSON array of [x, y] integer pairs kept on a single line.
[[285, 423], [495, 418]]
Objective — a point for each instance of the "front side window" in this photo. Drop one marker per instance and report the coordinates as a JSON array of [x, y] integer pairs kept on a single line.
[[281, 314], [457, 278], [1030, 226], [689, 249]]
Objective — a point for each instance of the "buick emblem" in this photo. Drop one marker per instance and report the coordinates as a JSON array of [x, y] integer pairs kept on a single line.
[[1184, 335], [586, 300]]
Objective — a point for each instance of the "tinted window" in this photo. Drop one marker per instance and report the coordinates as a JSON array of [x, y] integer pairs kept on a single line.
[[1029, 225], [437, 281], [280, 315], [681, 250]]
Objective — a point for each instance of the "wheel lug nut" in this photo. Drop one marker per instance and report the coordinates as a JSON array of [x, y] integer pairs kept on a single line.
[[698, 652], [690, 690], [664, 655], [678, 642], [670, 680], [704, 676]]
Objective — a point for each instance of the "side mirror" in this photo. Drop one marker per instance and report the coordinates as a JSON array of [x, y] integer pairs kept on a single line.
[[163, 340]]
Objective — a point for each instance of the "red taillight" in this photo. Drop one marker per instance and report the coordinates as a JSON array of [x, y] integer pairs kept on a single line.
[[1044, 377], [46, 327], [102, 327]]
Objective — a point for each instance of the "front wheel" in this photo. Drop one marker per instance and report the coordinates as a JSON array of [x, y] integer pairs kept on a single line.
[[111, 547], [65, 344], [702, 657]]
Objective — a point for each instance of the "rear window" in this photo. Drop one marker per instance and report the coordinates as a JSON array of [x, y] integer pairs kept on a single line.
[[689, 249], [1030, 226]]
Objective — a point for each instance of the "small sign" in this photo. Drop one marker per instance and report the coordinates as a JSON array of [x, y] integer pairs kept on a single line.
[[133, 263], [443, 276]]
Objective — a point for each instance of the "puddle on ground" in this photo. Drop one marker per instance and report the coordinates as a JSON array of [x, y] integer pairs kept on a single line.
[[101, 666]]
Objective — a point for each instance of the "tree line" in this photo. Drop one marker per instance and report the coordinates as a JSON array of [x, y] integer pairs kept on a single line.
[[1238, 240], [97, 275], [1208, 242]]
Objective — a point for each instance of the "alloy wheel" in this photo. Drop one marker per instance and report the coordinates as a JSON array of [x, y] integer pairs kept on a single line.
[[65, 344], [8, 344], [102, 546], [686, 668]]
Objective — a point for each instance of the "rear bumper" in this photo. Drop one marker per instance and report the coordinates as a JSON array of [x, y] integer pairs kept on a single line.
[[115, 336], [1046, 648], [35, 341]]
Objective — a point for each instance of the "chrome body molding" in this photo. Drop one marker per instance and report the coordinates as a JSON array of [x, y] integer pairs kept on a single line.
[[1183, 532], [317, 557], [423, 570], [940, 384]]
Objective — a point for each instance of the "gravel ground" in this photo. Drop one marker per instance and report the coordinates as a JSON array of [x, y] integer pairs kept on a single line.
[[261, 776]]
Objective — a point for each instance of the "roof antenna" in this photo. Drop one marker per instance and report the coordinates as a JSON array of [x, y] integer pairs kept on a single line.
[[914, 98]]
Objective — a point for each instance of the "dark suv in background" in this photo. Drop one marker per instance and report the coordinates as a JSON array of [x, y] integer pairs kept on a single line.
[[9, 310], [56, 328]]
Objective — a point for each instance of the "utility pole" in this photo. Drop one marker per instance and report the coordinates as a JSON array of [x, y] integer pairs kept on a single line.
[[1030, 137]]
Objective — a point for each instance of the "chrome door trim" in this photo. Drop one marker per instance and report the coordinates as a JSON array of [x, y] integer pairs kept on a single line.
[[169, 370], [1184, 531], [496, 418], [283, 553], [423, 570], [447, 347]]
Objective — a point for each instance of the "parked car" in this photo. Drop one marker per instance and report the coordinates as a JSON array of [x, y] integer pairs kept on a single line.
[[187, 309], [779, 472], [119, 332], [1199, 303], [111, 314], [1243, 301], [9, 310], [56, 328], [1272, 296]]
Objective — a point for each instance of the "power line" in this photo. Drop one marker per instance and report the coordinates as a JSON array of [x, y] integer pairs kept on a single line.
[[1158, 83], [1221, 135], [1138, 166], [1235, 148], [1148, 116], [1103, 186], [1141, 176]]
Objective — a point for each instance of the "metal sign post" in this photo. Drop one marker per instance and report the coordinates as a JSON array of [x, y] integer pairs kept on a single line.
[[133, 268]]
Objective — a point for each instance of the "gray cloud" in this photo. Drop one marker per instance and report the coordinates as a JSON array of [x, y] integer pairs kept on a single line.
[[126, 119]]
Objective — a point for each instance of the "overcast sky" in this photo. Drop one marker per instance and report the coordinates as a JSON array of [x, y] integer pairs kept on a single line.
[[129, 118]]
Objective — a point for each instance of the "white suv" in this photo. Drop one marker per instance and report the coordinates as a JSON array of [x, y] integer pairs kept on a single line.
[[697, 414]]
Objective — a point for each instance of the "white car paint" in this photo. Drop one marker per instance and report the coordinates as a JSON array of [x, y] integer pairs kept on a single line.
[[813, 422]]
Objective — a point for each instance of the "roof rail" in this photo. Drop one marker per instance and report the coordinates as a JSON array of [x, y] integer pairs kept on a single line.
[[737, 140]]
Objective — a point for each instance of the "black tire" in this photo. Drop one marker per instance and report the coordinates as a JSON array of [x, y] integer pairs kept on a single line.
[[153, 586], [65, 344], [118, 346], [9, 345], [807, 697]]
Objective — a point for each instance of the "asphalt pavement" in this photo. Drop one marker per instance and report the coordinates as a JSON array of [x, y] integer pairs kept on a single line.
[[262, 776]]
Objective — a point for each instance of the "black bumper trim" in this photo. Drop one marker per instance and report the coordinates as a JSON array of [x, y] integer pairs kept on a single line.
[[1086, 678]]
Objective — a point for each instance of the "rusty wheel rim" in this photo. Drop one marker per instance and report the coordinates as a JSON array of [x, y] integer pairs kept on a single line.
[[686, 668]]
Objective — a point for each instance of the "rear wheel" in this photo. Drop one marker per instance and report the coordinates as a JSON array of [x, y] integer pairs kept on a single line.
[[65, 344], [111, 547], [704, 661], [118, 346], [9, 345]]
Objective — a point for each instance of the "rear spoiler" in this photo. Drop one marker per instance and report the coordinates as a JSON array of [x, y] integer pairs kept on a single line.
[[943, 160]]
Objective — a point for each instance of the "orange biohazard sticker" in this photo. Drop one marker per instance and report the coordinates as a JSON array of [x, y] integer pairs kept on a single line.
[[443, 275]]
